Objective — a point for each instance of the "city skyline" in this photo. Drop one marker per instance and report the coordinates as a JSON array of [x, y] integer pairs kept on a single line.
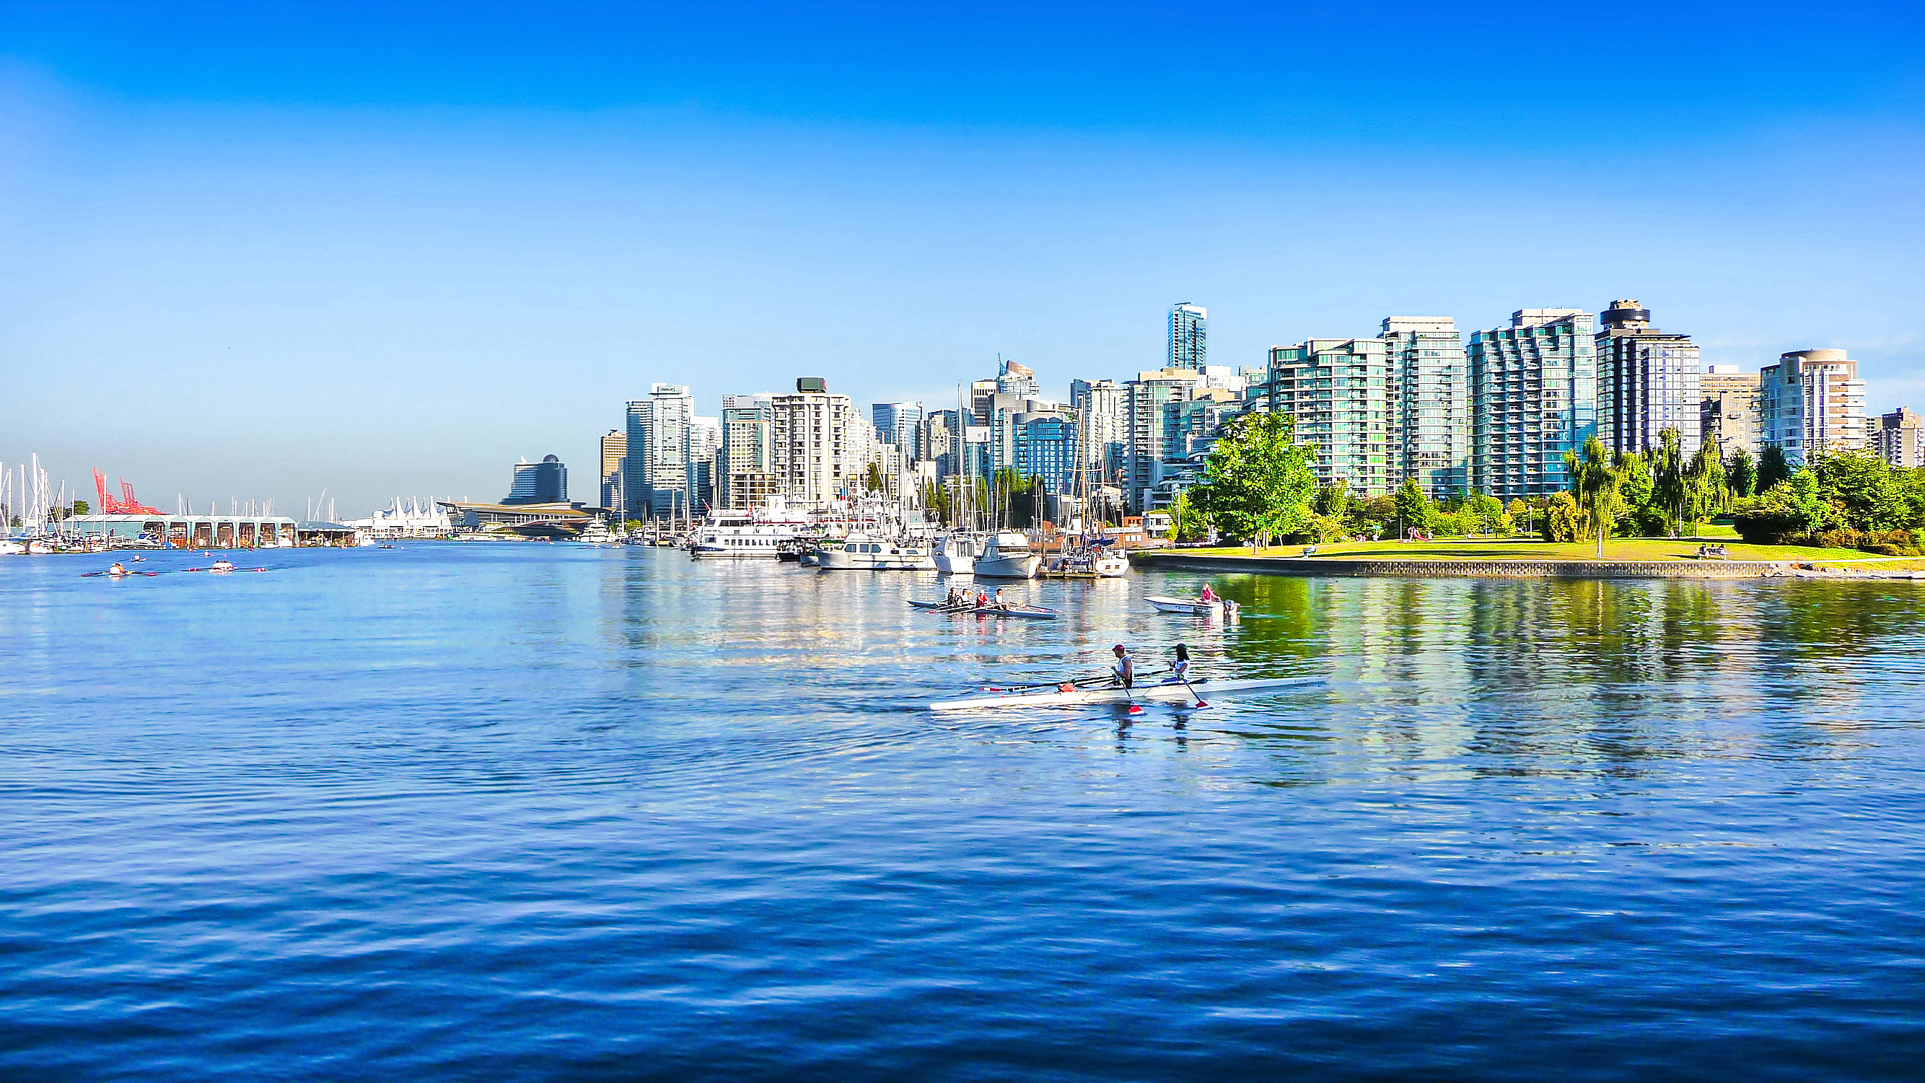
[[260, 255]]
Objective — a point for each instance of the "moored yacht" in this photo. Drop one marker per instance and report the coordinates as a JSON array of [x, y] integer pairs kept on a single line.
[[736, 535], [956, 553], [1008, 555], [873, 552]]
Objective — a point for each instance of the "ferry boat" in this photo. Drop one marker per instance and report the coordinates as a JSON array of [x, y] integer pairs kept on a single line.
[[1007, 555], [876, 553], [739, 536]]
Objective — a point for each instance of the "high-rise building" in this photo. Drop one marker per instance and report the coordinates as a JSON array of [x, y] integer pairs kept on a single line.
[[1427, 399], [545, 482], [1533, 396], [614, 447], [820, 443], [1046, 448], [1728, 417], [1018, 380], [1647, 381], [745, 462], [1102, 407], [1811, 400], [1143, 411], [704, 446], [1899, 438], [899, 424], [941, 441], [982, 393], [655, 477], [1189, 338], [1335, 391]]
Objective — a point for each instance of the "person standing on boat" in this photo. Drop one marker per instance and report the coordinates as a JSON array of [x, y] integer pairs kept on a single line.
[[1125, 667]]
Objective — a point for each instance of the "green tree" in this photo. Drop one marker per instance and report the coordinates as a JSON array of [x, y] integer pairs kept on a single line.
[[1704, 489], [1186, 522], [81, 507], [1667, 476], [1772, 468], [1863, 487], [1333, 500], [1257, 482], [1563, 520], [1637, 490], [1797, 498], [1742, 470], [1594, 485], [1413, 507], [872, 478]]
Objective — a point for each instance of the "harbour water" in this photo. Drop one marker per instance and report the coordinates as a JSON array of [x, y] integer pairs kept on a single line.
[[520, 812]]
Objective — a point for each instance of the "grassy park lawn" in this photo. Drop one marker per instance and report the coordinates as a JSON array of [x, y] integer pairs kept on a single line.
[[1532, 549]]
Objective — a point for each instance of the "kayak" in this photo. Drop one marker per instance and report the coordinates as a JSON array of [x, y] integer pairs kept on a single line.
[[1083, 696], [1033, 612]]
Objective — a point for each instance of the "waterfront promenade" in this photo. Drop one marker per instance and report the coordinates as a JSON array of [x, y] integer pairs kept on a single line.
[[1629, 558]]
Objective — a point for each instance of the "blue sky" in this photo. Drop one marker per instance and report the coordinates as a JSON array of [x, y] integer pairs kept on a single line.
[[266, 250]]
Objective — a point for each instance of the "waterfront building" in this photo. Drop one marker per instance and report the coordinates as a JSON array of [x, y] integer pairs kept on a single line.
[[900, 424], [1427, 402], [1046, 448], [1809, 401], [941, 441], [1145, 398], [704, 446], [545, 482], [1728, 417], [655, 476], [1103, 409], [212, 531], [820, 444], [1335, 390], [1899, 438], [745, 461], [614, 449], [559, 519], [1647, 381], [981, 394], [1533, 396], [1189, 339]]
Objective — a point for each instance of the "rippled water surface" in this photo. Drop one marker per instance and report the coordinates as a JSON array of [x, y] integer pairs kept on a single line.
[[543, 812]]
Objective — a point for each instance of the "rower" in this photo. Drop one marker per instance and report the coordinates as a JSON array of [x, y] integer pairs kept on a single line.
[[982, 600], [117, 569], [1180, 669], [1000, 602], [1125, 667]]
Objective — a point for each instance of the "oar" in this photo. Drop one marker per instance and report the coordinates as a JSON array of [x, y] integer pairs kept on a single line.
[[1186, 684], [1079, 682]]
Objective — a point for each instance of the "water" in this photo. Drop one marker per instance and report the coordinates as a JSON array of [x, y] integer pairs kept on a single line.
[[541, 812]]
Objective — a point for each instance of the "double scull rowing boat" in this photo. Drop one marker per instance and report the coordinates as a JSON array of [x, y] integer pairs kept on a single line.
[[1083, 696]]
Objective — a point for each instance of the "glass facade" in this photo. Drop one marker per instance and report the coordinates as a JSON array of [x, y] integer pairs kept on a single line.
[[1648, 381], [1533, 391], [1189, 338], [1337, 391], [1428, 400]]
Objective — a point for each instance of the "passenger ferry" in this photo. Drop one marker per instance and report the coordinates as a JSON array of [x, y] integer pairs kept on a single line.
[[727, 534]]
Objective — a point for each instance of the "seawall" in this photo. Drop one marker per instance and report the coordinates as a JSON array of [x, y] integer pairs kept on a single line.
[[1495, 568]]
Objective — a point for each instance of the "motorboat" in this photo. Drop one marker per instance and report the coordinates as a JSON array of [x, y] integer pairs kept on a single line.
[[870, 552], [1111, 563], [1195, 607], [739, 536], [956, 553], [1008, 555]]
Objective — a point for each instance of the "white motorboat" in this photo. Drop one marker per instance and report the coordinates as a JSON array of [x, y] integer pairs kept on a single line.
[[727, 535], [956, 553], [1195, 607], [866, 552], [1110, 694], [1008, 555], [1111, 563], [10, 547]]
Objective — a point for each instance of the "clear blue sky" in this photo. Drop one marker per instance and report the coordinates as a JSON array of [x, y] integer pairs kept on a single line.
[[261, 252]]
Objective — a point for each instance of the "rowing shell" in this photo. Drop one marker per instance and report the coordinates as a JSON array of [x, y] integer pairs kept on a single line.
[[1118, 695], [1034, 612]]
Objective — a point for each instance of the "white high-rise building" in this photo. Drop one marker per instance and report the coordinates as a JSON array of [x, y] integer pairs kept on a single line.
[[1811, 400], [820, 444], [1533, 396], [745, 461], [704, 445], [1103, 409], [1428, 401]]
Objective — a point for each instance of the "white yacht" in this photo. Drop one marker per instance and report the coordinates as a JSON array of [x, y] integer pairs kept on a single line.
[[956, 553], [874, 552], [1008, 555], [737, 535]]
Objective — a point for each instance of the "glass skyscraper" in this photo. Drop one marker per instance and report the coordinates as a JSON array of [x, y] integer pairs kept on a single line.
[[1428, 401], [1533, 391], [1335, 390], [1647, 381], [1189, 340], [545, 482]]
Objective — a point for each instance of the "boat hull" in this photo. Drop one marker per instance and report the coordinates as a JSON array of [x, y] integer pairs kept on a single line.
[[1027, 612], [1094, 696], [1186, 605]]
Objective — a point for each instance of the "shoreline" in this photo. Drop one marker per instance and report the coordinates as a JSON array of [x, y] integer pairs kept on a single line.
[[1495, 567]]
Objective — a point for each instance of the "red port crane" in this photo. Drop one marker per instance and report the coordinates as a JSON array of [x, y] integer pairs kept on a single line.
[[126, 504]]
